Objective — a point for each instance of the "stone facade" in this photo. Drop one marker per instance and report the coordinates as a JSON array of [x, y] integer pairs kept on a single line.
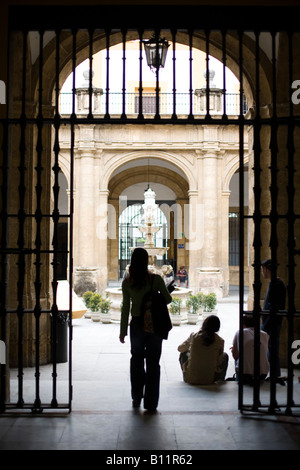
[[196, 162]]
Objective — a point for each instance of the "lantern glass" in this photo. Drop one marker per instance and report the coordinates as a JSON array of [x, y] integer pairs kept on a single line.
[[156, 52]]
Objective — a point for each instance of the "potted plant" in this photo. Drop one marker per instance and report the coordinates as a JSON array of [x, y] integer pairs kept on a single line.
[[210, 301], [95, 302], [174, 308], [104, 310], [193, 305], [86, 300], [200, 297]]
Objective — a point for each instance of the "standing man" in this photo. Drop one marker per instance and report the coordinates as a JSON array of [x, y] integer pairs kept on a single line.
[[274, 301]]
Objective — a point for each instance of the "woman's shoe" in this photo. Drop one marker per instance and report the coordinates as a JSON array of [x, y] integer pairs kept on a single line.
[[151, 411], [136, 403]]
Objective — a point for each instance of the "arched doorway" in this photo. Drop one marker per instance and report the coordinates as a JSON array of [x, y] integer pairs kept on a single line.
[[235, 250], [131, 236], [126, 187]]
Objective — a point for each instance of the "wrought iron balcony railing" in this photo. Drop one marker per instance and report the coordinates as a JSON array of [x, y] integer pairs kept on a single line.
[[185, 103]]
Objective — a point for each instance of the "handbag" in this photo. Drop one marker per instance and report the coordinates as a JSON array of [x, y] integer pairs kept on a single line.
[[156, 314]]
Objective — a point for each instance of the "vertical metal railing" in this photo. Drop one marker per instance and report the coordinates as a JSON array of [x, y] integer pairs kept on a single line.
[[291, 235], [4, 269], [257, 229], [241, 201], [270, 399]]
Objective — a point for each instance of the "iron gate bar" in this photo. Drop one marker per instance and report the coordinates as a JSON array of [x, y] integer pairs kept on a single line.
[[191, 116], [72, 157], [174, 115], [208, 116], [123, 116], [107, 115], [257, 153], [38, 219], [224, 72], [21, 220], [140, 115], [241, 208], [291, 236], [55, 217], [273, 222], [4, 223]]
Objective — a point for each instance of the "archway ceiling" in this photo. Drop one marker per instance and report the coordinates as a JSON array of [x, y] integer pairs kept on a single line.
[[128, 177], [149, 162], [182, 37], [199, 41]]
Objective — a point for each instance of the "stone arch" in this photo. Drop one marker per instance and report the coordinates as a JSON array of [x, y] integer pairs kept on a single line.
[[199, 41], [156, 175], [64, 164], [184, 167], [120, 181], [231, 167]]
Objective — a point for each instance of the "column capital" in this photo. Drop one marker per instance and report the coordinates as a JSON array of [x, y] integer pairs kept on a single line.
[[104, 192], [193, 193]]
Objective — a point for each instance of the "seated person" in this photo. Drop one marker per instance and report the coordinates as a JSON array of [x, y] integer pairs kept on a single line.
[[202, 359], [182, 276], [248, 333]]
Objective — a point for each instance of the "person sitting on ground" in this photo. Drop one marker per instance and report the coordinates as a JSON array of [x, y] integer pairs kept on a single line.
[[202, 357], [248, 339]]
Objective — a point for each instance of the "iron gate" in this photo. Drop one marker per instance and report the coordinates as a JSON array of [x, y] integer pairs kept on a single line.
[[30, 215]]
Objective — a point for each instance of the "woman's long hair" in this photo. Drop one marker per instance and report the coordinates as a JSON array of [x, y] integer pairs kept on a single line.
[[210, 326], [138, 269]]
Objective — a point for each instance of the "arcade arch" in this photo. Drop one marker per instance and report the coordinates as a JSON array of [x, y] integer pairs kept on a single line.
[[158, 173], [199, 39]]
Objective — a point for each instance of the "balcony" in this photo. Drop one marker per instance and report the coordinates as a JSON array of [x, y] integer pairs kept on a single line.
[[128, 103]]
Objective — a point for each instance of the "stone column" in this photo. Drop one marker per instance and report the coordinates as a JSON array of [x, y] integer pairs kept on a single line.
[[224, 241], [194, 228], [101, 238], [85, 267], [210, 274], [113, 240]]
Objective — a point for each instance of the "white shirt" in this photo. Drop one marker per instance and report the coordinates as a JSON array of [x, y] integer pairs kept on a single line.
[[249, 351]]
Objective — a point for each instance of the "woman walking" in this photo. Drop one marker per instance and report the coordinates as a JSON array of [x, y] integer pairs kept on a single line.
[[145, 346]]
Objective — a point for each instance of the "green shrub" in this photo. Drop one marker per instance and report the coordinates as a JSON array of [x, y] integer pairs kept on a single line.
[[193, 304], [87, 297], [105, 305], [200, 297], [95, 302], [210, 301], [175, 306]]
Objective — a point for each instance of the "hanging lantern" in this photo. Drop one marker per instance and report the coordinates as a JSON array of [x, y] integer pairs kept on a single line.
[[156, 52]]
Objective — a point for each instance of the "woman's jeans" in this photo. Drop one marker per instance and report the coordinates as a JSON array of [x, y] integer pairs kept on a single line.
[[144, 364]]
